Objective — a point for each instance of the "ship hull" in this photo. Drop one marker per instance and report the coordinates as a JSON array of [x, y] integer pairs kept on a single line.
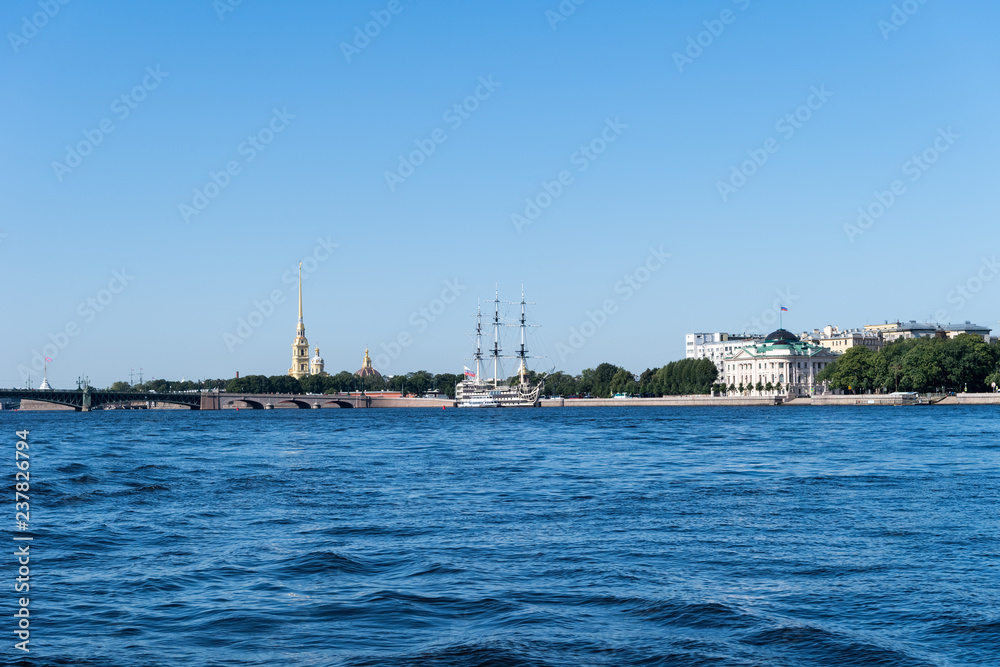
[[479, 395]]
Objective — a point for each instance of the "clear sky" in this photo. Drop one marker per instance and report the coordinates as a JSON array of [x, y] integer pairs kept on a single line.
[[738, 137]]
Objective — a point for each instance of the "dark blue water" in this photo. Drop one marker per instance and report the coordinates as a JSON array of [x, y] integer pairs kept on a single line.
[[616, 536]]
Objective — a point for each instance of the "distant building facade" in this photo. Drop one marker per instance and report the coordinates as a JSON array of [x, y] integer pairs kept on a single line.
[[782, 359], [952, 330], [717, 346], [838, 342], [893, 331]]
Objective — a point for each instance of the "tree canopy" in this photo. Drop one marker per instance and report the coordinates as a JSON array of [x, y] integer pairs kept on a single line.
[[917, 364]]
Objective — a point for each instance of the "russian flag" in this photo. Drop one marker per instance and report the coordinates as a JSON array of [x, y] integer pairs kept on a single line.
[[468, 372], [784, 309]]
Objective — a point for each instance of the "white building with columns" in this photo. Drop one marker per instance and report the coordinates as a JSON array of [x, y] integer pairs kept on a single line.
[[783, 361]]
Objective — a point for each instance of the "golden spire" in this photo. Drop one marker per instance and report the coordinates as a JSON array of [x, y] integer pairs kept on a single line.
[[300, 293], [367, 361]]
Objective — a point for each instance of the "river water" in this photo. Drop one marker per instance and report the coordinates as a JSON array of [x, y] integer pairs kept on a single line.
[[576, 536]]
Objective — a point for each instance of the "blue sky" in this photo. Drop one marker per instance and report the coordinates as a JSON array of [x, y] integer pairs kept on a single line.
[[667, 120]]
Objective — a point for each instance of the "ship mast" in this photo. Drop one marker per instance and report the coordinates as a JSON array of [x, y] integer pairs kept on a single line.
[[496, 336], [479, 341], [522, 353]]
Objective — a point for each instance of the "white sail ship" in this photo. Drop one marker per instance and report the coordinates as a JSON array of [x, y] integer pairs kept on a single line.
[[478, 392]]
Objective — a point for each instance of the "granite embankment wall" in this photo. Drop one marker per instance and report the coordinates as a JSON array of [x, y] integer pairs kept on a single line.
[[971, 399], [412, 403], [861, 399], [672, 401]]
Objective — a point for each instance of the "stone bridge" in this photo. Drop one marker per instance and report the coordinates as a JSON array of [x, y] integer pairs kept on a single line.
[[301, 401], [85, 400]]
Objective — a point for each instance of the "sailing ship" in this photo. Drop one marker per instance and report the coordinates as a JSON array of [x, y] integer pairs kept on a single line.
[[478, 392]]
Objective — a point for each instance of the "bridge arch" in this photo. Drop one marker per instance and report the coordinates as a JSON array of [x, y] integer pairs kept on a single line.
[[339, 404], [302, 405], [248, 403]]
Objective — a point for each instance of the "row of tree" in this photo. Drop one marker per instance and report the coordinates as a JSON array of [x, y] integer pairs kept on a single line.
[[417, 383], [689, 376], [963, 363]]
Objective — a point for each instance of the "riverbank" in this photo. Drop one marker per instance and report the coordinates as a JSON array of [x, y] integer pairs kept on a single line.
[[307, 401]]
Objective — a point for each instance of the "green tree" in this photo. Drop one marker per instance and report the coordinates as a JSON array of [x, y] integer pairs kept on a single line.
[[341, 382], [284, 384], [249, 384], [623, 382], [314, 384], [851, 371], [419, 382], [445, 382]]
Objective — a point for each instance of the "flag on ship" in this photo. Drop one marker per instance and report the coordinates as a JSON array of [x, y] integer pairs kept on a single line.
[[468, 372]]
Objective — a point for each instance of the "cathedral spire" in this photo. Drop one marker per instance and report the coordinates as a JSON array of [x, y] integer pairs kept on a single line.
[[300, 347], [300, 293]]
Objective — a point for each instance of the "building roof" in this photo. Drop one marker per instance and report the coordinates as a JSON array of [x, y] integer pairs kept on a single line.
[[366, 369], [966, 326], [781, 335], [780, 346]]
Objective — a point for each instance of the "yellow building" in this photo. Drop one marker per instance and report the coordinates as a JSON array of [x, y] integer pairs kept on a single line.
[[302, 366]]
